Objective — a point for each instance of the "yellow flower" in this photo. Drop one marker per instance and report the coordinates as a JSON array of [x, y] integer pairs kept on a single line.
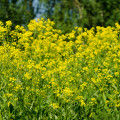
[[8, 23], [55, 105], [93, 101], [27, 75], [91, 115], [8, 94], [116, 73], [106, 101], [119, 53], [67, 91], [82, 103], [10, 103]]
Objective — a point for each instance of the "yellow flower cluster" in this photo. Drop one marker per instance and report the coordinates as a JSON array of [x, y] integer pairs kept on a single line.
[[39, 63]]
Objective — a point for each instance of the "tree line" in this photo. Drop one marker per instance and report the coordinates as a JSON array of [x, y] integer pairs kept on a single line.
[[65, 13]]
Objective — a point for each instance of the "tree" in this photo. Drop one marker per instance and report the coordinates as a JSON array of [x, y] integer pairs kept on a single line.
[[61, 14], [84, 13], [18, 12]]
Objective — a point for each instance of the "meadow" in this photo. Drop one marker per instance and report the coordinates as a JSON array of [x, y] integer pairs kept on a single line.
[[48, 75]]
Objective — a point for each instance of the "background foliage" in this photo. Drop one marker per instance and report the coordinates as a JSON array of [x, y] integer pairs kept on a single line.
[[66, 14], [84, 13], [18, 12]]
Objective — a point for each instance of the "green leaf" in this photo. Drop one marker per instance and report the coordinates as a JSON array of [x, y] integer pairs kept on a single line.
[[104, 97], [115, 87], [0, 115], [118, 117], [56, 117], [11, 108], [50, 116]]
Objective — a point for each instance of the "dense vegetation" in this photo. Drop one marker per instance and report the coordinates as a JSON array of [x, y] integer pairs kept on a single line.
[[20, 12], [47, 75]]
